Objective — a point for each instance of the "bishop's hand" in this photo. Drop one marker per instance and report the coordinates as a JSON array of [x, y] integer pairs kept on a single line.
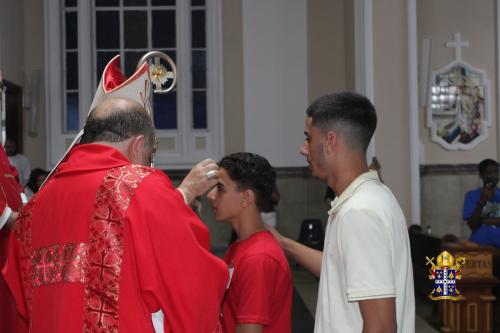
[[202, 177]]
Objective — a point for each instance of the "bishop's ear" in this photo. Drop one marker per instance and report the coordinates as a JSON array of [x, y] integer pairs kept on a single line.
[[137, 149]]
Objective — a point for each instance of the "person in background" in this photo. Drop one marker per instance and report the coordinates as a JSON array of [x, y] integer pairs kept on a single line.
[[37, 177], [481, 209], [11, 201], [20, 161], [259, 296], [375, 165], [268, 213]]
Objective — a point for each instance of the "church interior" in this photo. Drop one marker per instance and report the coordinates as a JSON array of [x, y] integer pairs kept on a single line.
[[246, 72]]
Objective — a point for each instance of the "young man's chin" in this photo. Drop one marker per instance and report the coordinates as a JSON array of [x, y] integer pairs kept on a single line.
[[219, 218], [314, 173]]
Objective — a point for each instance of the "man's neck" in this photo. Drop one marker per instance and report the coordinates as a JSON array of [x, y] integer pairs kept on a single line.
[[248, 224], [345, 173]]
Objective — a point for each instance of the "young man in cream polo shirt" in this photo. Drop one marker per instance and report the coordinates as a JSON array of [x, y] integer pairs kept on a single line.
[[366, 279]]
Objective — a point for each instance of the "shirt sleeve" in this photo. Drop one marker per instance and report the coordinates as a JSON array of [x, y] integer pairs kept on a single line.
[[176, 272], [253, 283], [470, 202], [5, 215], [365, 246], [12, 272]]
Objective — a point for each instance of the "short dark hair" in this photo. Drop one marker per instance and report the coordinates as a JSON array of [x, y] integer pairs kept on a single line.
[[118, 122], [347, 113], [486, 163], [251, 171]]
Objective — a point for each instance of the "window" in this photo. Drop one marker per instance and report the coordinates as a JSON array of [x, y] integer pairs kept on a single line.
[[71, 116], [189, 119]]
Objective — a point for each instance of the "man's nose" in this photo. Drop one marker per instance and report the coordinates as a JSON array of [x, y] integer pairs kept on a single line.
[[303, 149]]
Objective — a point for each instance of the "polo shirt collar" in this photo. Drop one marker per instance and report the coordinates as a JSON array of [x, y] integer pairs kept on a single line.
[[368, 176]]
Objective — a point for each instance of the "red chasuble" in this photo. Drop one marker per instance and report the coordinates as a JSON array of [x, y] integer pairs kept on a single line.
[[104, 244], [10, 196]]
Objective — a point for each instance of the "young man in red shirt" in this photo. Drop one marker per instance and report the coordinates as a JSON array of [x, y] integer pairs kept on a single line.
[[259, 296]]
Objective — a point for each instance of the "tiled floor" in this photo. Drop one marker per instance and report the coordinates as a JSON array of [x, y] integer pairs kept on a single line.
[[307, 287]]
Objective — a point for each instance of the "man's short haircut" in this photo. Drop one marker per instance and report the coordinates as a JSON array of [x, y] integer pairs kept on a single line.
[[486, 163], [118, 122], [348, 114], [251, 171]]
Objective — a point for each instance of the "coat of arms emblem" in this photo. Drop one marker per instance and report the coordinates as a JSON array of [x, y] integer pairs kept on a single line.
[[445, 275]]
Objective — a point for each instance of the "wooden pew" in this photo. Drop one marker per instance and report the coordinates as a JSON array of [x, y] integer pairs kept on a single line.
[[422, 245]]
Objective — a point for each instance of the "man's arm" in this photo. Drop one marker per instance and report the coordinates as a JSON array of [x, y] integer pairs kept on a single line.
[[492, 221], [176, 272], [305, 256], [379, 315], [475, 221], [249, 328]]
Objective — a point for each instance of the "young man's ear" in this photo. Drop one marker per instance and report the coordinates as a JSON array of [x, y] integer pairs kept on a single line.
[[330, 141], [248, 198]]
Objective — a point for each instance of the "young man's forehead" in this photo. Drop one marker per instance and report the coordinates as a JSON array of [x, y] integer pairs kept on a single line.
[[224, 177]]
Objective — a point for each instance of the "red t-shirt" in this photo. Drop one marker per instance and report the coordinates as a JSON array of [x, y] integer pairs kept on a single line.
[[260, 291]]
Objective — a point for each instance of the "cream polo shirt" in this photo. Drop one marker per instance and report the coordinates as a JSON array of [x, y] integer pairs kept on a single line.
[[366, 255]]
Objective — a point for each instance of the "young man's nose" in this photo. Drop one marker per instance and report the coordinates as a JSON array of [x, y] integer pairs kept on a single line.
[[211, 194]]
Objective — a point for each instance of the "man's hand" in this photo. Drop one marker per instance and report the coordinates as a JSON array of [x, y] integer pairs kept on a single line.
[[486, 194], [279, 237], [202, 177], [475, 220], [305, 256]]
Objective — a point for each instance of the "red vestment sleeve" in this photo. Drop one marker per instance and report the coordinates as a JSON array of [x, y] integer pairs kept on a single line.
[[176, 272], [3, 204], [12, 274]]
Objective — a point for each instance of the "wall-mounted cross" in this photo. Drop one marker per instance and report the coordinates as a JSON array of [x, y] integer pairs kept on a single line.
[[457, 44]]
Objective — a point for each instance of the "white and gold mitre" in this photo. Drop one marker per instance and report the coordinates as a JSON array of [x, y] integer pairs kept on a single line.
[[114, 84]]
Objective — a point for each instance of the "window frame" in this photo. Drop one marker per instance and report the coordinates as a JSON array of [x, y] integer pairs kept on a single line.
[[187, 150]]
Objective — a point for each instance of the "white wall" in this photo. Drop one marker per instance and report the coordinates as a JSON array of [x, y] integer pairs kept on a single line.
[[275, 78], [35, 144]]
